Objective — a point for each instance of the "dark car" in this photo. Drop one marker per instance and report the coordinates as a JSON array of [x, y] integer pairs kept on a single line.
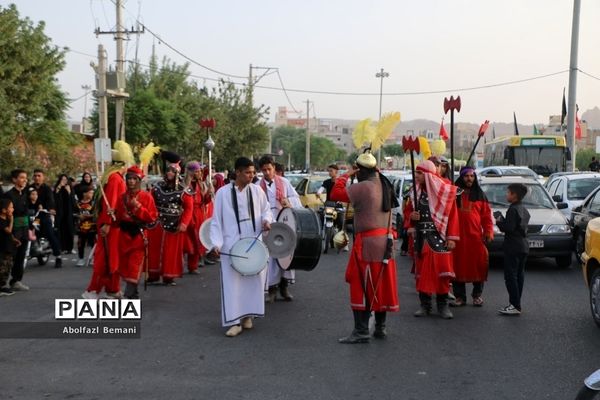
[[580, 216], [548, 232]]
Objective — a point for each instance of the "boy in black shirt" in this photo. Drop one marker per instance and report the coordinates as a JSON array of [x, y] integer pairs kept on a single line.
[[8, 243], [515, 246], [18, 197]]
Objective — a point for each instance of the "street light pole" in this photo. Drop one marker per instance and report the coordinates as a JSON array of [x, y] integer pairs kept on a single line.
[[381, 74], [87, 89]]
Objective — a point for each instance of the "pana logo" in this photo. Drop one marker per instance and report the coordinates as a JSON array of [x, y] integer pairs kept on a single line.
[[87, 309]]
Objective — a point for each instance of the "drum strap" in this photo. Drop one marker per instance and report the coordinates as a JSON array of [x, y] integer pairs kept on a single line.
[[237, 211]]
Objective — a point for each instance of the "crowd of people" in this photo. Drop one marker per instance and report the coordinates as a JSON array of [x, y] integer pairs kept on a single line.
[[154, 236]]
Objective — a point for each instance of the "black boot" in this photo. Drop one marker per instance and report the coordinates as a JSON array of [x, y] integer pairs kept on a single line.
[[131, 291], [380, 332], [272, 295], [360, 334], [283, 290], [425, 309], [442, 306]]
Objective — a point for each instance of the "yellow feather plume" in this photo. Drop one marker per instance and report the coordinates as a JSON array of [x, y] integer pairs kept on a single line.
[[438, 147], [363, 133], [384, 129], [148, 154], [425, 149], [123, 152]]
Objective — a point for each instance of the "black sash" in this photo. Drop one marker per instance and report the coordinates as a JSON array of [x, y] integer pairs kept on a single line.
[[236, 210]]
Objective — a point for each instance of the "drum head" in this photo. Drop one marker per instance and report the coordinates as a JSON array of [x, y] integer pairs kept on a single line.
[[280, 240], [205, 234], [252, 256], [287, 217]]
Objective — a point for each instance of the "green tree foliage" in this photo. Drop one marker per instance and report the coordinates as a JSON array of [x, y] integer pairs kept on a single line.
[[293, 141], [165, 106], [33, 131], [393, 150], [584, 158]]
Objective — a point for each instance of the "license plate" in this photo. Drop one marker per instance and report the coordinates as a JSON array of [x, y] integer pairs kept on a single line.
[[536, 244], [329, 224]]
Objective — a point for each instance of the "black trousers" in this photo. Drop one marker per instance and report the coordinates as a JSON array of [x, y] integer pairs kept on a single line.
[[425, 299], [83, 239], [49, 233], [514, 277], [460, 290]]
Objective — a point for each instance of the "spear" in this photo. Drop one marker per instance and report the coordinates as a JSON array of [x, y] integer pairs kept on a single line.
[[480, 134], [451, 105], [411, 144]]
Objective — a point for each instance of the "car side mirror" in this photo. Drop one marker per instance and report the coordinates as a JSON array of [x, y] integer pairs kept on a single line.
[[562, 206], [557, 198], [578, 208]]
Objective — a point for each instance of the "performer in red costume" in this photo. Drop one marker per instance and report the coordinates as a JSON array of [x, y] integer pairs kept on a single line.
[[135, 210], [476, 228], [371, 270], [106, 253], [436, 231], [167, 237], [201, 195]]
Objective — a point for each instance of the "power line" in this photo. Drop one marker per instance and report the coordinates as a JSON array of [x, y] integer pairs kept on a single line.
[[589, 75], [285, 92]]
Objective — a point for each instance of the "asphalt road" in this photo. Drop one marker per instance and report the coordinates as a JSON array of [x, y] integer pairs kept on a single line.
[[293, 353]]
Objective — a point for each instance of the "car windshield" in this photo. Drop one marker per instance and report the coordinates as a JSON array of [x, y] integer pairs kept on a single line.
[[518, 172], [543, 160], [578, 189], [536, 196], [314, 185], [294, 179]]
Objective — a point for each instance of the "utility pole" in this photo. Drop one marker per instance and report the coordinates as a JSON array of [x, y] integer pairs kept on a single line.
[[381, 74], [307, 155], [249, 96], [120, 95], [101, 93], [572, 111], [87, 89]]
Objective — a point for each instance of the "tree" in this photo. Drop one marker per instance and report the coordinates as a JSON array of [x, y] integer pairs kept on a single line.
[[584, 158], [33, 107], [293, 142], [165, 106]]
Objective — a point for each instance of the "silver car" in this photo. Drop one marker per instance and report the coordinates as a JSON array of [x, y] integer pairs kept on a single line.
[[572, 189], [548, 232]]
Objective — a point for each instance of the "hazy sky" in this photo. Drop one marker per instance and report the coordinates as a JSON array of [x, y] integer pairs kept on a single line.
[[339, 45]]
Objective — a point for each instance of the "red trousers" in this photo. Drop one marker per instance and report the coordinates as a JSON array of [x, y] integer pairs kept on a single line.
[[104, 275]]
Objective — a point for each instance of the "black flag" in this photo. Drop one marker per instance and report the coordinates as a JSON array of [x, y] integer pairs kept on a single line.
[[516, 128], [563, 113]]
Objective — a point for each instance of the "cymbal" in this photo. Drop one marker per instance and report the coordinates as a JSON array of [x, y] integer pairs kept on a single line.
[[205, 234], [280, 240]]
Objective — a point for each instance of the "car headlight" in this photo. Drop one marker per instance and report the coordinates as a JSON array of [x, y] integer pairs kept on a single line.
[[558, 229]]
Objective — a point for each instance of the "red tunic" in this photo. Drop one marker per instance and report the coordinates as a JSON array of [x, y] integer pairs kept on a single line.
[[193, 247], [166, 248], [372, 283], [106, 263], [133, 247], [434, 270], [470, 254]]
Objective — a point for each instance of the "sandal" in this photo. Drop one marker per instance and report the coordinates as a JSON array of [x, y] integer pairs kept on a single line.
[[458, 302], [478, 301]]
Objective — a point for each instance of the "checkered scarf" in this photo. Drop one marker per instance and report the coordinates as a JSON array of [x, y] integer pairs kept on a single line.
[[441, 196]]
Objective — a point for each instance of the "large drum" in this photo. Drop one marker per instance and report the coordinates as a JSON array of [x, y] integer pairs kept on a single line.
[[309, 243], [249, 256]]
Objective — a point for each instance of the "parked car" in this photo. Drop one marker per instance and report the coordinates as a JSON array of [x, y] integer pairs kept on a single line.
[[504, 170], [307, 190], [591, 266], [401, 183], [548, 231], [581, 216], [295, 178], [572, 189]]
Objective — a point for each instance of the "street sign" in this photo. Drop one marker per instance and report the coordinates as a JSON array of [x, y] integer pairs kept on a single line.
[[102, 149]]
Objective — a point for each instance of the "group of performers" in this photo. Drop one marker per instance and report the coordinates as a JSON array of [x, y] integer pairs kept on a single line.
[[151, 233]]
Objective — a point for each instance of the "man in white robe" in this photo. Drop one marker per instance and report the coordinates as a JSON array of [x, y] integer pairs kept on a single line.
[[242, 297], [281, 194]]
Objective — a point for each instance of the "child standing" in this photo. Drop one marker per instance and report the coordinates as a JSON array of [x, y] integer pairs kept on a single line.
[[515, 246], [86, 225], [8, 244]]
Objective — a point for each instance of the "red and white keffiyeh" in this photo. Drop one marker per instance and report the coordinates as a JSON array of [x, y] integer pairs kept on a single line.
[[441, 196]]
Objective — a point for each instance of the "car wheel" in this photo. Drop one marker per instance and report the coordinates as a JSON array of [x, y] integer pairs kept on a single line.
[[564, 261], [579, 248], [595, 296]]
